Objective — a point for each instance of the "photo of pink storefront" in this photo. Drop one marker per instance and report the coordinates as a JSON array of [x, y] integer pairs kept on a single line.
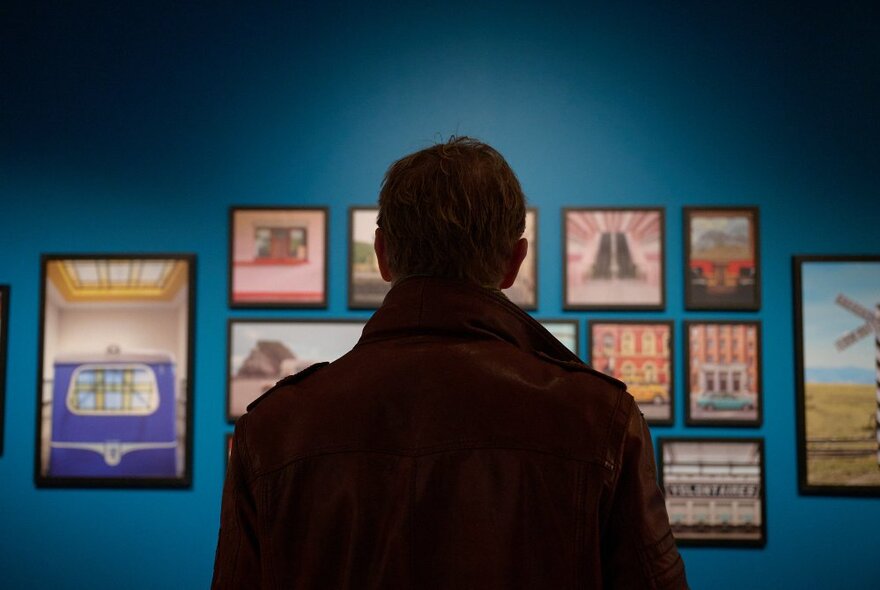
[[278, 257]]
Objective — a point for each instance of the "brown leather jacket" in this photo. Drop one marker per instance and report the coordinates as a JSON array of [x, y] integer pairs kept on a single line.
[[458, 445]]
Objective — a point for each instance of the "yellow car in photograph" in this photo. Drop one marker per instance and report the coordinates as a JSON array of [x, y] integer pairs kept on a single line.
[[654, 393]]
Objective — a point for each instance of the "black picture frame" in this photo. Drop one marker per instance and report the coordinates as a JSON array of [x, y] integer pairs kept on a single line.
[[87, 299], [726, 372], [370, 294], [368, 291], [550, 323], [620, 250], [530, 265], [745, 294], [4, 338], [318, 237], [255, 383], [851, 387], [656, 412], [685, 503]]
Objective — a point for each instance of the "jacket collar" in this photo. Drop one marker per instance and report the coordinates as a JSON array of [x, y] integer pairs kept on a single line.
[[428, 305]]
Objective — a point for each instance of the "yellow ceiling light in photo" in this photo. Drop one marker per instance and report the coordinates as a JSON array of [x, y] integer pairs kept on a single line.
[[118, 279]]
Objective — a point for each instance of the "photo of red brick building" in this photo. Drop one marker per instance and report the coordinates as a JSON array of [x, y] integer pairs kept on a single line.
[[722, 365], [640, 355]]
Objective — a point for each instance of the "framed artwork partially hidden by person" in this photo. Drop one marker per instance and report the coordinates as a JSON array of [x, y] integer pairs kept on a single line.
[[639, 354], [837, 360], [524, 290], [367, 289], [723, 369], [722, 261], [4, 334], [278, 257], [566, 331], [714, 490], [115, 386], [264, 351], [614, 258]]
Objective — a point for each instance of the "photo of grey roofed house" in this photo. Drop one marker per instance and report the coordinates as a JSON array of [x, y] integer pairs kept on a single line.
[[262, 352]]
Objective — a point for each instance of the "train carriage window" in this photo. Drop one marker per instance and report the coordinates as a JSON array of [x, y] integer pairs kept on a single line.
[[127, 390]]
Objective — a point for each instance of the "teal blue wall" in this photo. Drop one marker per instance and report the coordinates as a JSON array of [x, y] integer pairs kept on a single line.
[[130, 129]]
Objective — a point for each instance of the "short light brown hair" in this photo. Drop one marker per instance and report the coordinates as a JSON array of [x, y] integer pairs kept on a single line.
[[453, 210]]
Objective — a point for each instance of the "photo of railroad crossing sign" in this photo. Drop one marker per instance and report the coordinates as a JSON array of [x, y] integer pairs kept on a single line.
[[871, 326]]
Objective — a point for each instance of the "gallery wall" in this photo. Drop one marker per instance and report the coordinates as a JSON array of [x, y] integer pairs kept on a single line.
[[133, 129]]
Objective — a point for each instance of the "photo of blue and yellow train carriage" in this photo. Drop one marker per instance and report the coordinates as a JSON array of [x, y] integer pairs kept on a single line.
[[114, 415], [115, 362]]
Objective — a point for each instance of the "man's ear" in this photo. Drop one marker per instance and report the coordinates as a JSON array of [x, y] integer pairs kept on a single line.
[[520, 249], [382, 255]]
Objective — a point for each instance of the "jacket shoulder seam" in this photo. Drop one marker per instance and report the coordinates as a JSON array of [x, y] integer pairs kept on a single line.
[[289, 380], [582, 367]]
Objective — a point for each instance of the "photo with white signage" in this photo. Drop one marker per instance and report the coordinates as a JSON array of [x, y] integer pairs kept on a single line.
[[714, 489]]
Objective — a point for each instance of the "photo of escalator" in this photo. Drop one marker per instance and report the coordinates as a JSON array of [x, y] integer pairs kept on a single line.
[[614, 259]]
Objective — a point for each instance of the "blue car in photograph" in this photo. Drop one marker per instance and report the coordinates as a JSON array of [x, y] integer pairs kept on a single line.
[[725, 400]]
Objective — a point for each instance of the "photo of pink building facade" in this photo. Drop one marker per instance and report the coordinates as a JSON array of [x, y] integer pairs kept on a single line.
[[640, 355], [278, 257]]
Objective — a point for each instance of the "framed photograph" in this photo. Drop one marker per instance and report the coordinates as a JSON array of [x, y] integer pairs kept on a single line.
[[837, 359], [614, 258], [4, 333], [714, 490], [264, 351], [639, 354], [723, 368], [115, 371], [367, 289], [722, 260], [524, 290], [277, 257], [566, 331]]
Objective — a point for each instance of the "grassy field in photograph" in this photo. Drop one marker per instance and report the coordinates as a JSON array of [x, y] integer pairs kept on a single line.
[[844, 412]]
